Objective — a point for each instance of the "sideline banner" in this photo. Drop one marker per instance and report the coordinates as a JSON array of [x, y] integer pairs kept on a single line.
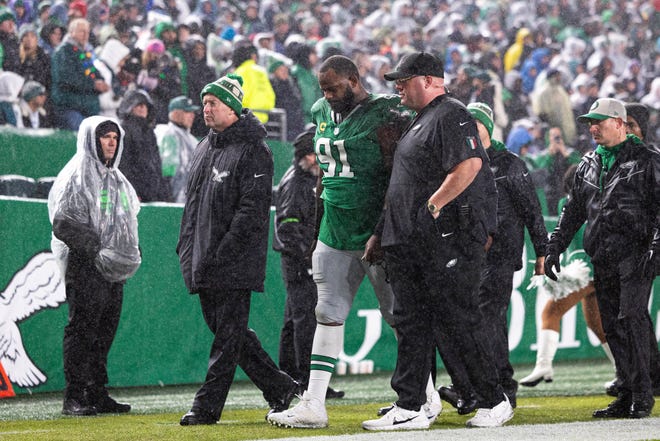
[[162, 338]]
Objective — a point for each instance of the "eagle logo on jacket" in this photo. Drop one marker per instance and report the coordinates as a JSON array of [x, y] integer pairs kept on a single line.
[[219, 176]]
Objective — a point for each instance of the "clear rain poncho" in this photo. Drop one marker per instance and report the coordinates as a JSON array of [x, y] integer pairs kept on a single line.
[[88, 193]]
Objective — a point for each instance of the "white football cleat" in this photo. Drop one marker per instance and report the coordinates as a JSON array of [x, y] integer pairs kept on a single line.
[[309, 413], [494, 417], [399, 419], [433, 406]]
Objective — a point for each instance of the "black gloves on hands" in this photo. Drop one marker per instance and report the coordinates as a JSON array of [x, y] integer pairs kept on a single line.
[[552, 261]]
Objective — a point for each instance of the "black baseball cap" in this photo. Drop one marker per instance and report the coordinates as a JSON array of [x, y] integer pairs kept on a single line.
[[418, 63]]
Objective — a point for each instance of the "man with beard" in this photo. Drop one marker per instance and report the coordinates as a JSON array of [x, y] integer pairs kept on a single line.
[[354, 141]]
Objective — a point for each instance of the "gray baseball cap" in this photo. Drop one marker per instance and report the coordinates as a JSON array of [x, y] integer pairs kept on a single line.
[[604, 108]]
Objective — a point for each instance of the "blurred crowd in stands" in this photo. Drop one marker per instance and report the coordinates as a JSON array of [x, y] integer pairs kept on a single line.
[[537, 63]]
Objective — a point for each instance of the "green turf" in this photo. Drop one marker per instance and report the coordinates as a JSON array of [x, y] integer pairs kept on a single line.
[[575, 393]]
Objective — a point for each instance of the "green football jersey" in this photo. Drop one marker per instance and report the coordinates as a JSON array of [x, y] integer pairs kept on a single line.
[[354, 176]]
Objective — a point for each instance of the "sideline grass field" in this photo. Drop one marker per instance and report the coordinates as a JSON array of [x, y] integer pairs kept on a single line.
[[575, 393]]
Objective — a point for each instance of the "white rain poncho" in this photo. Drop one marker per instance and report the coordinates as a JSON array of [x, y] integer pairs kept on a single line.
[[88, 193]]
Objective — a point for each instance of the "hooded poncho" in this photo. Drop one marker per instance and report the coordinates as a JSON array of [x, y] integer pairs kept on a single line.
[[91, 194]]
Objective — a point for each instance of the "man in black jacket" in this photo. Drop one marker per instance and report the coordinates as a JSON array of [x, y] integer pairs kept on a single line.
[[617, 192], [295, 233], [441, 208], [222, 247], [517, 207]]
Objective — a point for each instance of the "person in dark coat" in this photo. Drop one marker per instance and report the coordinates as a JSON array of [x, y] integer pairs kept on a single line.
[[9, 59], [222, 248], [199, 75], [518, 207], [287, 97], [141, 162], [616, 191], [35, 63]]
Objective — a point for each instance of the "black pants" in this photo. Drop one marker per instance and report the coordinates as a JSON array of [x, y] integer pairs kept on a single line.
[[297, 333], [94, 311], [494, 298], [226, 313], [623, 295], [437, 305]]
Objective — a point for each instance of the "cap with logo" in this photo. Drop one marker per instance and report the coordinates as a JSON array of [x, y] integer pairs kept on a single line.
[[182, 103], [604, 108], [417, 64]]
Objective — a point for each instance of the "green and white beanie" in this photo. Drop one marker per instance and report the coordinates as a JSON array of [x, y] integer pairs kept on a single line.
[[6, 14], [483, 113], [228, 90]]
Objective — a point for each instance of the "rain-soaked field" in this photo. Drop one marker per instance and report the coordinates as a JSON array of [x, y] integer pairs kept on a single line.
[[544, 412]]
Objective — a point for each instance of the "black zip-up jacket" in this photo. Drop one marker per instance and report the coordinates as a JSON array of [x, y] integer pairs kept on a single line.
[[621, 211], [517, 207], [295, 221], [224, 228]]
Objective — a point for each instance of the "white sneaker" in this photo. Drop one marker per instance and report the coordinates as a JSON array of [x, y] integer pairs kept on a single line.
[[399, 419], [309, 413], [433, 406], [494, 417]]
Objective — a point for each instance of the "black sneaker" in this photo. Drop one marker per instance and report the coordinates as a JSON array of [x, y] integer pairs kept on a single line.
[[74, 407], [641, 407], [107, 404], [331, 393], [619, 408], [463, 405], [449, 394], [196, 417]]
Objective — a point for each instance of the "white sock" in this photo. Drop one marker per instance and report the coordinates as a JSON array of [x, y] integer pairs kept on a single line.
[[430, 387], [608, 352], [328, 342]]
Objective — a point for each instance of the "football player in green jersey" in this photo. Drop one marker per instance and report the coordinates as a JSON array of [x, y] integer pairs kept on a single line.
[[354, 143]]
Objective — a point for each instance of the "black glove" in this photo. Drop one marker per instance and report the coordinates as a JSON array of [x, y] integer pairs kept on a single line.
[[650, 263], [552, 261]]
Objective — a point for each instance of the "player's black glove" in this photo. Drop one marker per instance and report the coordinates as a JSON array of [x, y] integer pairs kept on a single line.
[[552, 261]]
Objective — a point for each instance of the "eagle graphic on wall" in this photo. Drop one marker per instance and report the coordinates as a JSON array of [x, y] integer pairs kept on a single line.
[[36, 286]]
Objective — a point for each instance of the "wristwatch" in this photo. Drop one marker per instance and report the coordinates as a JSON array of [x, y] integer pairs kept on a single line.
[[432, 208]]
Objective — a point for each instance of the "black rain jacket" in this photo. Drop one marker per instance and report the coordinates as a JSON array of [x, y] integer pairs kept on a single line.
[[224, 230], [621, 211]]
